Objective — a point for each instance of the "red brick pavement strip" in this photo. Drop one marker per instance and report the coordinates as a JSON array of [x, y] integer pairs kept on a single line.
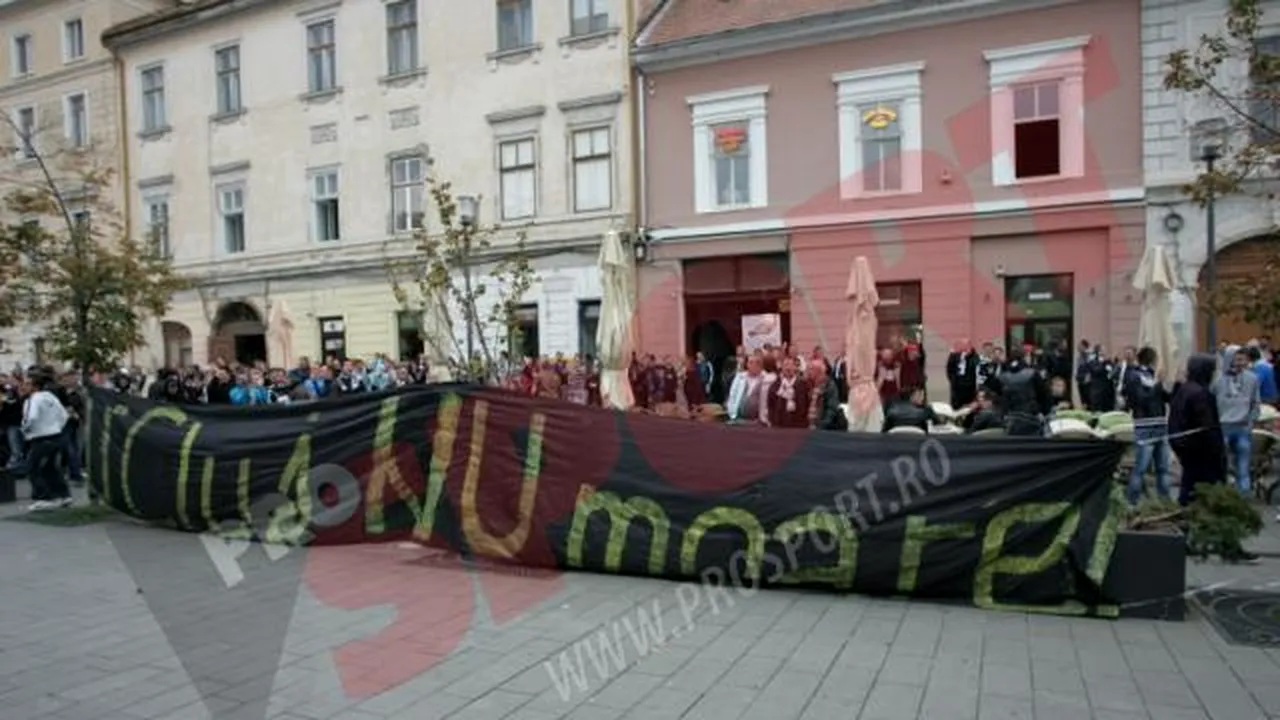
[[76, 641]]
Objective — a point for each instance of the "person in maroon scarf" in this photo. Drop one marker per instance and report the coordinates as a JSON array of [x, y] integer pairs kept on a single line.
[[788, 399], [694, 393], [662, 382], [912, 368], [593, 383], [528, 377], [889, 376]]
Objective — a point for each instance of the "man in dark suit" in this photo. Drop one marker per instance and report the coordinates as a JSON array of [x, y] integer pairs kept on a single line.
[[962, 374]]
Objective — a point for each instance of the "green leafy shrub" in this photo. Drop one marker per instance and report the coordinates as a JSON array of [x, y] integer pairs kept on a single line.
[[1220, 520]]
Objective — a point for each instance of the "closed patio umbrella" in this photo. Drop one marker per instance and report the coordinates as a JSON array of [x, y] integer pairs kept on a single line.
[[1155, 278], [280, 335], [865, 413], [613, 335]]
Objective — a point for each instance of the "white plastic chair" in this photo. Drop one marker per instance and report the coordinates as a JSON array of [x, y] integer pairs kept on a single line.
[[990, 432], [1070, 427], [943, 410], [906, 430]]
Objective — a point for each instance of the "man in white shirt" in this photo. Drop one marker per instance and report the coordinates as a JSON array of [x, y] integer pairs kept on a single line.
[[43, 418]]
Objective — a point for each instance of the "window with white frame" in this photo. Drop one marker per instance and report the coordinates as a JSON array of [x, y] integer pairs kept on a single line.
[[25, 131], [153, 102], [1262, 93], [402, 37], [72, 39], [407, 194], [1037, 111], [325, 225], [20, 55], [231, 214], [226, 66], [518, 178], [157, 214], [588, 16], [730, 159], [592, 170], [881, 130], [515, 24], [322, 56], [75, 120]]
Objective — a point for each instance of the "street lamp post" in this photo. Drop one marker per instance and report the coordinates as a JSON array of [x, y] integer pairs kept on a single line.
[[468, 216], [1209, 154]]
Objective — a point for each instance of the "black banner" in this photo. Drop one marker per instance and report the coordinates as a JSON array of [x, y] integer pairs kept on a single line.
[[998, 522]]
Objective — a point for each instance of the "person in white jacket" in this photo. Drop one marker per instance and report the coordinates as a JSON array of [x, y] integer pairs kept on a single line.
[[43, 418]]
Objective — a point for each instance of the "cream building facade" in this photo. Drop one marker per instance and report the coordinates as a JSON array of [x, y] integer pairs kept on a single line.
[[281, 146], [58, 87], [1174, 133]]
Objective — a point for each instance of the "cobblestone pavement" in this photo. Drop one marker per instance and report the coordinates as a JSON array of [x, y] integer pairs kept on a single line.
[[77, 642]]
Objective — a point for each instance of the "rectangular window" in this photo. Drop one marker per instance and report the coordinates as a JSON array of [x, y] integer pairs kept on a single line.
[[333, 337], [588, 326], [324, 203], [1036, 135], [409, 329], [72, 40], [592, 170], [75, 120], [899, 313], [881, 137], [20, 55], [407, 194], [322, 57], [524, 341], [153, 105], [402, 36], [515, 24], [589, 16], [226, 64], [518, 170], [731, 160], [231, 212], [26, 132], [158, 225], [1262, 94]]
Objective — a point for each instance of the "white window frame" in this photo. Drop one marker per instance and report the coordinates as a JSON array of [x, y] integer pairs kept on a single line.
[[1055, 60], [315, 197], [70, 53], [531, 169], [21, 52], [409, 31], [149, 205], [577, 162], [326, 54], [161, 92], [901, 85], [27, 148], [221, 191], [66, 119], [746, 104], [408, 188], [231, 77]]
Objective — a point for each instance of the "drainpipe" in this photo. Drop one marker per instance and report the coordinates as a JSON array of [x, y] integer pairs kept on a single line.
[[635, 113], [122, 119]]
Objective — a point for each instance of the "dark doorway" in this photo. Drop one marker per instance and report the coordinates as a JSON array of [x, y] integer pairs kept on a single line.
[[251, 348], [1039, 311], [721, 291], [712, 340]]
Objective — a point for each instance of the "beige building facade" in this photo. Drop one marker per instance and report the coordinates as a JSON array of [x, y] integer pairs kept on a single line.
[[58, 90], [283, 146]]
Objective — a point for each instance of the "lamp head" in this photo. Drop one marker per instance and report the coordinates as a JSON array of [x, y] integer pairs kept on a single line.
[[468, 209]]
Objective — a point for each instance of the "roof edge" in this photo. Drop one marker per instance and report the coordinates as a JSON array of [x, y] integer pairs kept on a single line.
[[164, 22], [821, 28]]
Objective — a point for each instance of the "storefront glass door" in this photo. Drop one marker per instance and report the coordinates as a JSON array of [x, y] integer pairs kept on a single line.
[[1039, 311]]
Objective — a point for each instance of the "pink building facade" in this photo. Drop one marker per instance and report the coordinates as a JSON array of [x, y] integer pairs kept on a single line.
[[988, 162]]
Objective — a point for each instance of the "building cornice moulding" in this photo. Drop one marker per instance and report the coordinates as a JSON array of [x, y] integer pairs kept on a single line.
[[876, 19], [167, 22]]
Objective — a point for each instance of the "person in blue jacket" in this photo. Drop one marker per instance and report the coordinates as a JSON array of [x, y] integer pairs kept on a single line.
[[1266, 373], [251, 392]]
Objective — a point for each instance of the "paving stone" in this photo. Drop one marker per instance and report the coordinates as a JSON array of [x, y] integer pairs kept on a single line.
[[892, 702], [1000, 707]]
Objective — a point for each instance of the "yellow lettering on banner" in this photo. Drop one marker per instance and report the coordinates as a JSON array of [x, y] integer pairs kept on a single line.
[[621, 515], [442, 443], [478, 538], [385, 469], [162, 412], [1104, 544], [727, 516], [994, 562], [105, 455], [918, 534], [288, 524], [184, 478], [840, 529]]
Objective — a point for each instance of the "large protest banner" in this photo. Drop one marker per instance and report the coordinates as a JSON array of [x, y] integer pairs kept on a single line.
[[998, 522]]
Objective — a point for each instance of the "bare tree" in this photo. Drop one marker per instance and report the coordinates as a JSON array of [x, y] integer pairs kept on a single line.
[[66, 260], [466, 290]]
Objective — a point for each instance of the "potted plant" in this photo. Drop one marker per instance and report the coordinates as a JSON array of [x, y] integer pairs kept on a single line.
[[1148, 571]]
